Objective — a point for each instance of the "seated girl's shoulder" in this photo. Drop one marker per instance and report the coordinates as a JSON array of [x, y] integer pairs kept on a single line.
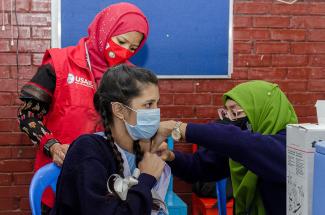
[[88, 145]]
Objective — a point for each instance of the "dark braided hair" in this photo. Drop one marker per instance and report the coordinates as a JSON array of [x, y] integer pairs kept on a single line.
[[110, 141], [137, 151], [121, 84]]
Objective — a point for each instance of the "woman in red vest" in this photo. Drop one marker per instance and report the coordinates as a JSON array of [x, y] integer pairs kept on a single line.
[[58, 101]]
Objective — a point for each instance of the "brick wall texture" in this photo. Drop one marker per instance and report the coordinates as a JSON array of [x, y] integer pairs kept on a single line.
[[273, 41]]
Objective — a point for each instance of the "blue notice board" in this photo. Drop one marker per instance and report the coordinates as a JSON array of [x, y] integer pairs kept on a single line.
[[187, 39]]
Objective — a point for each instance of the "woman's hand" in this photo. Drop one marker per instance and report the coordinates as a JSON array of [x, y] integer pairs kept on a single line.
[[145, 145], [165, 129], [58, 152], [151, 164], [164, 153]]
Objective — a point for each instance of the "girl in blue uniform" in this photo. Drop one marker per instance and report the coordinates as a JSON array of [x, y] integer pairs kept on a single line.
[[96, 173]]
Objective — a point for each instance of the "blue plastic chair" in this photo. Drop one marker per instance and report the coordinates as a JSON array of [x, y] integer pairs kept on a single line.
[[222, 196], [175, 204], [43, 178]]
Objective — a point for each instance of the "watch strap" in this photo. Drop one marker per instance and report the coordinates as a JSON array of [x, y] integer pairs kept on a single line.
[[48, 145], [46, 142], [177, 131]]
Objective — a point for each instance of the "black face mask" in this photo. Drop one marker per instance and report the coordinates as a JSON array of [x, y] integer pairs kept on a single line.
[[240, 122]]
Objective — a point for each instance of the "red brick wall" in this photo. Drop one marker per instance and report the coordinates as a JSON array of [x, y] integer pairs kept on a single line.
[[272, 41], [16, 152]]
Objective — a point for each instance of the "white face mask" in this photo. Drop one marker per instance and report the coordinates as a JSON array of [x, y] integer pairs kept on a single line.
[[148, 121]]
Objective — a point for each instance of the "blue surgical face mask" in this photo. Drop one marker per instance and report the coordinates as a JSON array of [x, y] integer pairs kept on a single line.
[[148, 121]]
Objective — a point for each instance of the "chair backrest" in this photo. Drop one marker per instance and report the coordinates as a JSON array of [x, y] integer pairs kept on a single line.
[[222, 196], [43, 178], [170, 143], [175, 205]]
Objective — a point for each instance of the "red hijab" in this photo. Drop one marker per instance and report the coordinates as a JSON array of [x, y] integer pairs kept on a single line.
[[114, 20]]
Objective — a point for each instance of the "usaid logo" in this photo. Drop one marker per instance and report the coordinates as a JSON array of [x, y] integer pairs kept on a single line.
[[73, 79], [84, 82], [70, 79]]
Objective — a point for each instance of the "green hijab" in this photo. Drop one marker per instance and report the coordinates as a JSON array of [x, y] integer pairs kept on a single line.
[[268, 111]]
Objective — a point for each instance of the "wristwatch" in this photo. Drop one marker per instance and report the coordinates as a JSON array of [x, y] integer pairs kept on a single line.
[[176, 132], [48, 145]]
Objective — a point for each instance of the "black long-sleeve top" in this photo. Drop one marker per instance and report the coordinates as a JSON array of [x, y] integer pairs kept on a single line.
[[264, 155], [36, 95]]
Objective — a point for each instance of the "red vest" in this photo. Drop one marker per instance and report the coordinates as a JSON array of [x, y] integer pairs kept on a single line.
[[72, 112]]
